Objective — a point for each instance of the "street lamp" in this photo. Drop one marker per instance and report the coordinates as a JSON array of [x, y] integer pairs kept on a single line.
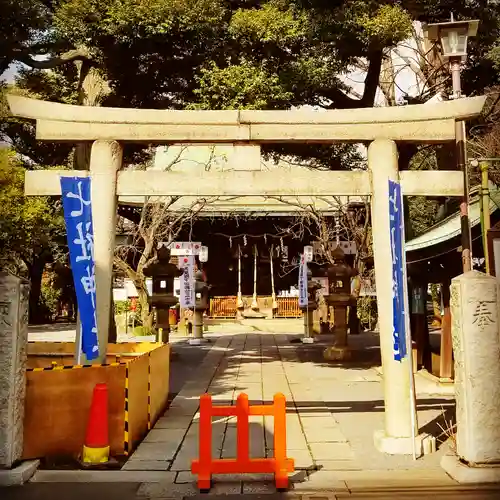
[[453, 36]]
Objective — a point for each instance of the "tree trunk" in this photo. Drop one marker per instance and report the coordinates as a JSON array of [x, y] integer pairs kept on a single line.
[[93, 89], [35, 275], [146, 314]]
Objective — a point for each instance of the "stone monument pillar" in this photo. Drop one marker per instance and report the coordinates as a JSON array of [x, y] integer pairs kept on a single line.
[[475, 330], [14, 293]]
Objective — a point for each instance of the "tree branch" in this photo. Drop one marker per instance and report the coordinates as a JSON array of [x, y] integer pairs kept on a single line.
[[372, 77], [69, 56], [340, 100]]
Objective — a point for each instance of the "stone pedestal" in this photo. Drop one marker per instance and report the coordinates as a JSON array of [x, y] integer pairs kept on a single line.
[[474, 303], [14, 294], [197, 338], [308, 325], [198, 324]]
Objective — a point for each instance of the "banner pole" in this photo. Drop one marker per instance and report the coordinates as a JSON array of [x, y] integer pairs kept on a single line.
[[78, 339], [409, 346]]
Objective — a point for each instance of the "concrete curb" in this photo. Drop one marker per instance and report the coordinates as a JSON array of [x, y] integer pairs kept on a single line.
[[102, 476], [20, 474]]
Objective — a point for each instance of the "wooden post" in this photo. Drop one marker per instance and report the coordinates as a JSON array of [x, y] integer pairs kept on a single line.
[[205, 445], [446, 351], [273, 292], [255, 305]]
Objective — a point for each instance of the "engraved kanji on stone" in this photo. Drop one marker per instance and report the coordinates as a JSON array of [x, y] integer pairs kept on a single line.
[[5, 314], [483, 315]]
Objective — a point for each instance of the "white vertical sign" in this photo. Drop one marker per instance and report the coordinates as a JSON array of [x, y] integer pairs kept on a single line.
[[203, 254], [303, 299], [187, 298], [308, 253]]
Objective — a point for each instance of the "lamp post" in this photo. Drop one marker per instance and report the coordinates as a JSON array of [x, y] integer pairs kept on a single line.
[[453, 36]]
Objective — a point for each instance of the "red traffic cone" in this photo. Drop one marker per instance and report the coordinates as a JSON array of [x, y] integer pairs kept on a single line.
[[96, 447]]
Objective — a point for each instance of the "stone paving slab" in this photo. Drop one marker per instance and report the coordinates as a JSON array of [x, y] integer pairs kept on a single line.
[[168, 436], [152, 465]]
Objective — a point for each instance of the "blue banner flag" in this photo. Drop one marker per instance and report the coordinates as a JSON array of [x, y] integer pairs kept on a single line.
[[77, 206], [396, 225]]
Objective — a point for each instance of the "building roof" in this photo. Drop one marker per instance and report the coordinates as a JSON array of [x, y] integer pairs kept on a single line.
[[451, 226]]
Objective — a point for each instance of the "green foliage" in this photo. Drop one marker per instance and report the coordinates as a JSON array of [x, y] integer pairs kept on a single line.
[[122, 306], [28, 225], [389, 25], [494, 56], [276, 21], [242, 86], [127, 20], [49, 300], [422, 212]]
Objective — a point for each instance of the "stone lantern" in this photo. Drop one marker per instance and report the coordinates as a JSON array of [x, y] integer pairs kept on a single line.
[[201, 290], [312, 304], [339, 297], [162, 273]]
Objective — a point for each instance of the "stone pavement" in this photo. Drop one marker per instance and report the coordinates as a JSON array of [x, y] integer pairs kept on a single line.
[[333, 410]]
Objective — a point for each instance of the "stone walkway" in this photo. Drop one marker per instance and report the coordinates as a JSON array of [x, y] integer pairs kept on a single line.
[[333, 411]]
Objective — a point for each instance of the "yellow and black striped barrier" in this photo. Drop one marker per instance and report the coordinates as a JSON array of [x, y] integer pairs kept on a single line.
[[56, 367], [126, 435], [127, 444]]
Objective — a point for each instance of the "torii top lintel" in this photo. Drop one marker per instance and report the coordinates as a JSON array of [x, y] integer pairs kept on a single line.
[[425, 123]]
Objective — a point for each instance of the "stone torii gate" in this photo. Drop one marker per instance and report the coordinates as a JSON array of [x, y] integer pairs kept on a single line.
[[382, 127]]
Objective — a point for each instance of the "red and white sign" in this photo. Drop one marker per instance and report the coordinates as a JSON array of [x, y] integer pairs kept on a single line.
[[185, 248]]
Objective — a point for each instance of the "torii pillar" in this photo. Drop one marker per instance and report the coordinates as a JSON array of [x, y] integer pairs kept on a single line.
[[105, 161], [397, 435]]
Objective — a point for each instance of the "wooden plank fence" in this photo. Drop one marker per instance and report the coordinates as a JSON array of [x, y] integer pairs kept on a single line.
[[288, 307], [225, 307]]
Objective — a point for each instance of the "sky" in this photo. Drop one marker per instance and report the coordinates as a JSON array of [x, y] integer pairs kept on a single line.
[[9, 75]]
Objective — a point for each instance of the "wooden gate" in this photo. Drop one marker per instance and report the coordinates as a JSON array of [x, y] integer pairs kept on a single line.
[[288, 307], [223, 307]]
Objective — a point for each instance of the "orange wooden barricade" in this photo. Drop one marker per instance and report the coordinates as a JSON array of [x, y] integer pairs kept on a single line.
[[280, 465], [288, 307]]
